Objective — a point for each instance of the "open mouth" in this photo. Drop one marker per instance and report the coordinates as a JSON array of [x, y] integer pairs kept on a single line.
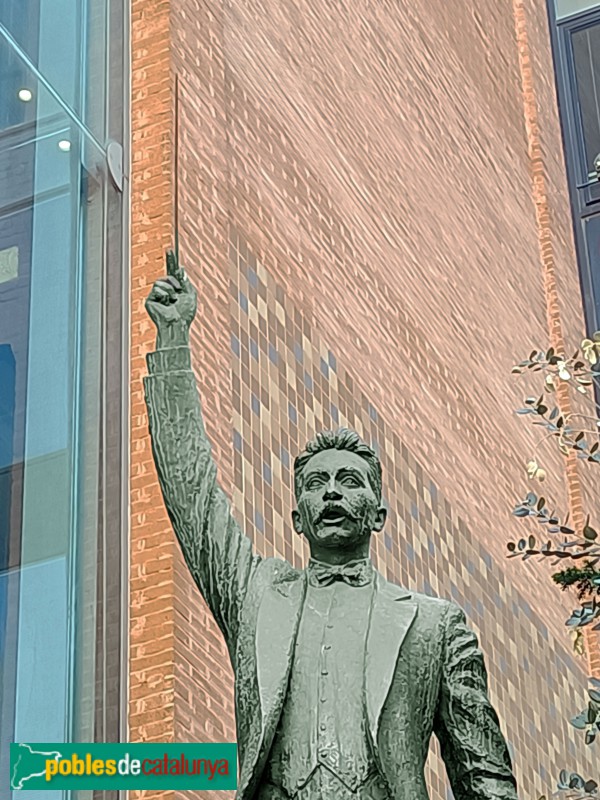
[[333, 516]]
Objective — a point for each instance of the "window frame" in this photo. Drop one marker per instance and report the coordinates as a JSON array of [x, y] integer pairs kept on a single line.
[[583, 205]]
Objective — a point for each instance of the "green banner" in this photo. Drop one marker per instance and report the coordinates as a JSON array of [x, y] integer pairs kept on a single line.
[[123, 766]]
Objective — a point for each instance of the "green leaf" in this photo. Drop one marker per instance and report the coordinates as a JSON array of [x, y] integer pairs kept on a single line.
[[589, 533], [580, 721], [563, 777], [576, 781]]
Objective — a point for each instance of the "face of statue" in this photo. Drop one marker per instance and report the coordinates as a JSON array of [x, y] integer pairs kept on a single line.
[[337, 508]]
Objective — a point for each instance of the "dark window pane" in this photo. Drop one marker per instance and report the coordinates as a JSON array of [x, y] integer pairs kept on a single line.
[[592, 241], [586, 56]]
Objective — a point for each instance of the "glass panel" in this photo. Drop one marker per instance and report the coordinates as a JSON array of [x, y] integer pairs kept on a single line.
[[564, 8], [592, 241], [586, 56], [66, 41], [52, 199]]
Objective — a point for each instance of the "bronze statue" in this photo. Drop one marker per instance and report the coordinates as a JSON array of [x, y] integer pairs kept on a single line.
[[340, 676]]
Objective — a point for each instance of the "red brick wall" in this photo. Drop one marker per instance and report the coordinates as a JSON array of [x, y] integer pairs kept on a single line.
[[397, 170], [151, 629], [383, 174]]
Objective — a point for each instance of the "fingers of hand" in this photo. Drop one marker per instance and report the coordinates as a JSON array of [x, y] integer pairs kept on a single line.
[[168, 288], [173, 268], [171, 263], [161, 295]]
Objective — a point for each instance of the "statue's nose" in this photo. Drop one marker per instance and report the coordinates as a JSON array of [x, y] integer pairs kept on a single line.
[[332, 489]]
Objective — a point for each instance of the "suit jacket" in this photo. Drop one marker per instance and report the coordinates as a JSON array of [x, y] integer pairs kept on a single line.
[[424, 670]]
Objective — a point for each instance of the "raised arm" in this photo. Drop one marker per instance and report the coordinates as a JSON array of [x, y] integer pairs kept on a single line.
[[218, 555], [471, 742]]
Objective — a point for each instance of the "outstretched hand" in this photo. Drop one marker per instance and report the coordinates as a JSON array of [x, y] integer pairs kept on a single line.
[[171, 304]]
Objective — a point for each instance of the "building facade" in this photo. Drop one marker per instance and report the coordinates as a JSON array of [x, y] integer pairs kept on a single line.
[[383, 210], [373, 204], [63, 372]]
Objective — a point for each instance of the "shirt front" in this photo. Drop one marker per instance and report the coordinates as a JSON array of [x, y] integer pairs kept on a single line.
[[323, 723]]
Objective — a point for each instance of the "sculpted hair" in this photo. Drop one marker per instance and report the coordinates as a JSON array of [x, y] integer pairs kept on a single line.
[[342, 439]]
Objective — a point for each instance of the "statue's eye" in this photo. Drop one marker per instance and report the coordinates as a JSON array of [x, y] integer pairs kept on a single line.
[[350, 480], [314, 483]]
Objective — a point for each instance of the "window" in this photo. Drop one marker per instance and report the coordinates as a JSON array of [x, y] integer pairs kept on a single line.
[[575, 33], [61, 373], [566, 8]]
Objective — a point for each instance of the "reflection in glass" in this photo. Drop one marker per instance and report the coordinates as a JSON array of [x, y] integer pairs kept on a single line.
[[51, 267], [565, 8], [586, 56], [592, 241], [66, 41]]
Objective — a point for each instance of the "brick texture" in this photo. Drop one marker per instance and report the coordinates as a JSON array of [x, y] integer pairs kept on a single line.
[[380, 184], [152, 612]]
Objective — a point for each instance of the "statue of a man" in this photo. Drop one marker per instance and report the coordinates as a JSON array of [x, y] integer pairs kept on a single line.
[[340, 676]]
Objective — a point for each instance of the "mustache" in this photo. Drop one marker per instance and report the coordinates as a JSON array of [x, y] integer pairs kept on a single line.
[[336, 509]]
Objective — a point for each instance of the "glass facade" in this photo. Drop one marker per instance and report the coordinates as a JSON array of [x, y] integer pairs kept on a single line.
[[62, 69]]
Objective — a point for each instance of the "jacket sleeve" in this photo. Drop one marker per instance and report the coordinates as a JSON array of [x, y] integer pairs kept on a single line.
[[217, 553], [472, 745]]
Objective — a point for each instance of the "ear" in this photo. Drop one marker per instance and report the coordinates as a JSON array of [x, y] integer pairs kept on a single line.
[[380, 518], [297, 521]]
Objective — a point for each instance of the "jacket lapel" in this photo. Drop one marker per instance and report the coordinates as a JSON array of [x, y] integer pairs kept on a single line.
[[392, 614], [276, 629]]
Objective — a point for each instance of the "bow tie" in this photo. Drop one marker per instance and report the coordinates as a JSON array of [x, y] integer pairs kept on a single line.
[[357, 573]]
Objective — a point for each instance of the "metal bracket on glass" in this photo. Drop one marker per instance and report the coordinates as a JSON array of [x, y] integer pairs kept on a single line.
[[593, 176], [114, 161]]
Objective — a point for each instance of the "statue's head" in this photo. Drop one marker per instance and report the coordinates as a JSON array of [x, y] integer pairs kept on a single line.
[[337, 482]]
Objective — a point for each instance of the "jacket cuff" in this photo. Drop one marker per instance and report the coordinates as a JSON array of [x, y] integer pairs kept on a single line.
[[171, 359]]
